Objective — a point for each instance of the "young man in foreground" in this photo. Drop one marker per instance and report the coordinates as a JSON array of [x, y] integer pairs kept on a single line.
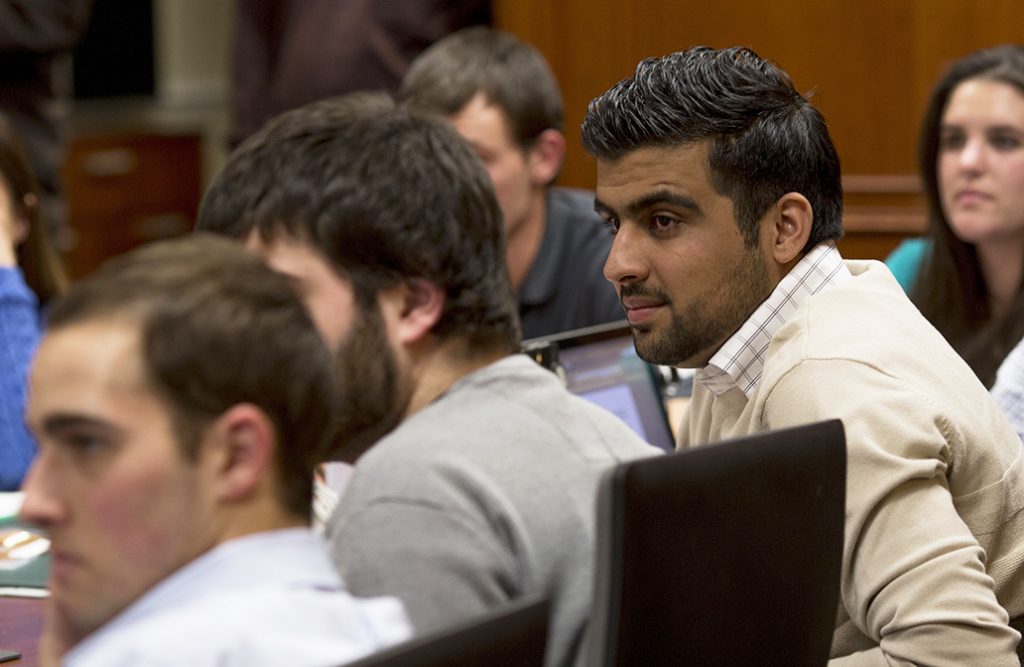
[[181, 398]]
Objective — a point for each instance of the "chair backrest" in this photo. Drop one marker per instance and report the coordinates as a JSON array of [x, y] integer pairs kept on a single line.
[[510, 636], [727, 554]]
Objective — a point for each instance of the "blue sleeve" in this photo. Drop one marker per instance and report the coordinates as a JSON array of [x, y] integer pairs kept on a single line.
[[906, 260], [19, 335]]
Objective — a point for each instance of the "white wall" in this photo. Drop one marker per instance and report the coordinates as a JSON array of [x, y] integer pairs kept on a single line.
[[193, 39], [192, 53]]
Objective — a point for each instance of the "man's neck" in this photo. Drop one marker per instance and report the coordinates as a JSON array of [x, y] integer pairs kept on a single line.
[[524, 239], [444, 364], [259, 516]]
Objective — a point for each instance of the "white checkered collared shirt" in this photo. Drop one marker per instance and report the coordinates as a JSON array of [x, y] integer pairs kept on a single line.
[[740, 360], [1008, 390]]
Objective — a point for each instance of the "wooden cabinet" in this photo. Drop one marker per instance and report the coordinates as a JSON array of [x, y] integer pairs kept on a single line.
[[126, 189]]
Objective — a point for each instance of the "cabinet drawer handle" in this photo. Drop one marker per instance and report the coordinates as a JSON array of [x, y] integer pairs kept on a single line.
[[110, 163], [161, 226]]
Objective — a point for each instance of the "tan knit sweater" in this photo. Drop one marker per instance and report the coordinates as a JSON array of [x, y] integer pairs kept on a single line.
[[934, 538]]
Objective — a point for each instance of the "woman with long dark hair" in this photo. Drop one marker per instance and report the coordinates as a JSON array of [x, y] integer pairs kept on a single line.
[[30, 275], [966, 277]]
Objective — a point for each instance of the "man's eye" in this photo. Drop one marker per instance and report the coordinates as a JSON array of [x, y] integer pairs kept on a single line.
[[612, 224], [663, 222], [83, 443]]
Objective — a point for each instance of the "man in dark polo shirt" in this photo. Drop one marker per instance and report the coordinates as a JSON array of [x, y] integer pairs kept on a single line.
[[501, 96]]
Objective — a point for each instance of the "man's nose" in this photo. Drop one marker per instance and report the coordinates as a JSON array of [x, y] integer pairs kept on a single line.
[[41, 506], [626, 262]]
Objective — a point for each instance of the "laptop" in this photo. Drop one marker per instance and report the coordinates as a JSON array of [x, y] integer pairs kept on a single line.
[[600, 364], [513, 635], [726, 554]]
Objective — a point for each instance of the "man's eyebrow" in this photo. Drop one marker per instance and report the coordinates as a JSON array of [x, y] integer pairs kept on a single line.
[[55, 423], [600, 207], [650, 200]]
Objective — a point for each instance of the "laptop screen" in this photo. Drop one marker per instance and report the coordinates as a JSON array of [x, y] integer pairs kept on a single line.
[[600, 364]]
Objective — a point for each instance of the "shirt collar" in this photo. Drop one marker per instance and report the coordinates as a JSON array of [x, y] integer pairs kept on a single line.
[[541, 279], [740, 360]]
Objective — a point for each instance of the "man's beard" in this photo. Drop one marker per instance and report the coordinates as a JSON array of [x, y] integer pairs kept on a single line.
[[373, 397], [695, 333]]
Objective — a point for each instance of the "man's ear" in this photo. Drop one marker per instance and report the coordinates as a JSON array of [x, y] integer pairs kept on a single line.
[[546, 156], [790, 227], [244, 441], [411, 309]]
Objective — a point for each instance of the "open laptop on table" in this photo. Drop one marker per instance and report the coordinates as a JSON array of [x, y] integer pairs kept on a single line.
[[600, 364]]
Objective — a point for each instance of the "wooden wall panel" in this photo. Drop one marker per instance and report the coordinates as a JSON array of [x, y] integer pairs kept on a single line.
[[870, 65]]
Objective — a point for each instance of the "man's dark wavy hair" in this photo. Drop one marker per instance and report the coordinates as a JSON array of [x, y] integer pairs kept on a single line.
[[765, 138]]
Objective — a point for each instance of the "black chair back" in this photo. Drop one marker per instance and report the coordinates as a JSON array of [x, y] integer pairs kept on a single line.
[[511, 636], [727, 554]]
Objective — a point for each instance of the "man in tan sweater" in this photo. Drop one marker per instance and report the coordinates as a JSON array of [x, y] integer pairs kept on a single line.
[[722, 188]]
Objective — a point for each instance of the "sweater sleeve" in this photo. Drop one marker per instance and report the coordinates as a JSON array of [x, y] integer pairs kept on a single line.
[[19, 335], [913, 579]]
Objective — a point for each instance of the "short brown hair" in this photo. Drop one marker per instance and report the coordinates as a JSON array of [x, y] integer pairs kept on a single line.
[[510, 73], [386, 195], [218, 328]]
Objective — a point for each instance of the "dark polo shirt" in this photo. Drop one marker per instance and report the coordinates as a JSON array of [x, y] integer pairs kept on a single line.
[[565, 288]]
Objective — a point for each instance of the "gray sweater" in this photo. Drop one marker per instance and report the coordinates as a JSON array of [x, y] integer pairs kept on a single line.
[[484, 496]]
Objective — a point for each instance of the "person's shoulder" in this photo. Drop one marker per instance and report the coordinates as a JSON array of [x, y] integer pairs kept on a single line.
[[869, 294], [866, 319], [12, 281], [575, 206], [866, 334], [911, 249], [256, 626], [582, 242], [155, 640], [555, 413]]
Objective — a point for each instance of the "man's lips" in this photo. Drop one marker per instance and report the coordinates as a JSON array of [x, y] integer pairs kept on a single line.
[[62, 563], [640, 309]]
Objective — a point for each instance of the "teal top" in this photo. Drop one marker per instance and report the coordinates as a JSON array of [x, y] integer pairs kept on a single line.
[[906, 260]]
